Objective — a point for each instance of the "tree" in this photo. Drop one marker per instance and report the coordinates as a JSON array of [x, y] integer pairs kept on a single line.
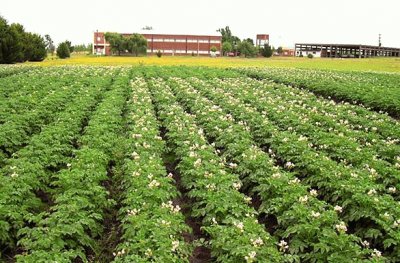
[[117, 42], [279, 50], [49, 44], [83, 48], [63, 50], [11, 45], [35, 49], [266, 51], [247, 49], [70, 46], [18, 34], [16, 45], [250, 40], [227, 37], [226, 48], [90, 48], [136, 44]]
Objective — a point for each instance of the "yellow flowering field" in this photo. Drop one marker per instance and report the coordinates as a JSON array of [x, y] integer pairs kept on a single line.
[[373, 64]]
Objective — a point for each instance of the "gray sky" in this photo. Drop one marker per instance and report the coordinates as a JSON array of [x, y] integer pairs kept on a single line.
[[287, 22]]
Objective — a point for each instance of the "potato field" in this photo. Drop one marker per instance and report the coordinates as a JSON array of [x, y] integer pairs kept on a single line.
[[186, 164]]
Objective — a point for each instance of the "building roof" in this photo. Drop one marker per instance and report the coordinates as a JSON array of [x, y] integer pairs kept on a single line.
[[346, 45]]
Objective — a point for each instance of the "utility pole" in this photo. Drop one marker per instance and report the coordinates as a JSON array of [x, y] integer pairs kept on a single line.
[[380, 44]]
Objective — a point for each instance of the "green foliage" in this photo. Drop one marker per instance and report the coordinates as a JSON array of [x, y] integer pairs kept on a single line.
[[226, 48], [136, 44], [247, 49], [63, 50], [227, 37], [213, 49], [310, 55], [279, 50], [35, 49], [16, 45], [159, 53], [117, 42], [272, 172], [70, 46], [49, 44], [83, 48], [249, 40], [266, 51]]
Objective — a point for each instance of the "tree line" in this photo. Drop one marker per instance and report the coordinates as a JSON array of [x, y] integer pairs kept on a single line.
[[245, 47], [17, 45], [135, 44]]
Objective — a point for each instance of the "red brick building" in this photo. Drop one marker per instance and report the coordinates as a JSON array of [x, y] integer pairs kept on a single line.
[[198, 45]]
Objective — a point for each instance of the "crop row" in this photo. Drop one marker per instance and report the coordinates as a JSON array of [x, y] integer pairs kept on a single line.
[[371, 216], [18, 129], [309, 229], [71, 225], [339, 147], [26, 176], [28, 94], [8, 70], [235, 234], [376, 90], [152, 224]]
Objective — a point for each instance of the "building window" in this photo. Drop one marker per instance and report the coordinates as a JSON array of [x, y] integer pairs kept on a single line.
[[98, 39], [180, 40], [192, 40], [215, 41]]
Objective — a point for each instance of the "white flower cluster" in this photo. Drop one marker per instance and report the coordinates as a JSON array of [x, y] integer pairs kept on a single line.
[[135, 156], [338, 208], [232, 165], [294, 181], [303, 199], [211, 187], [258, 242], [250, 257], [341, 227], [365, 243], [376, 253], [289, 165], [315, 214], [136, 136], [283, 245], [396, 223], [239, 225], [169, 205], [237, 185], [119, 253], [154, 183], [175, 245], [133, 212]]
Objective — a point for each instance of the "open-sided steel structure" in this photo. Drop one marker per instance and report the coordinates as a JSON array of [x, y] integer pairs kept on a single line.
[[345, 50]]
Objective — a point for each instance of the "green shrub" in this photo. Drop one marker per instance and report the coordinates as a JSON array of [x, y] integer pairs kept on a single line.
[[159, 53], [310, 55], [63, 50]]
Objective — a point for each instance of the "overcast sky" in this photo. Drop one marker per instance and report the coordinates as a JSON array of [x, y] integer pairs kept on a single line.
[[287, 22]]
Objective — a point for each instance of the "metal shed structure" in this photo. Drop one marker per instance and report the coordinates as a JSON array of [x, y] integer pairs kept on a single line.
[[345, 50]]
